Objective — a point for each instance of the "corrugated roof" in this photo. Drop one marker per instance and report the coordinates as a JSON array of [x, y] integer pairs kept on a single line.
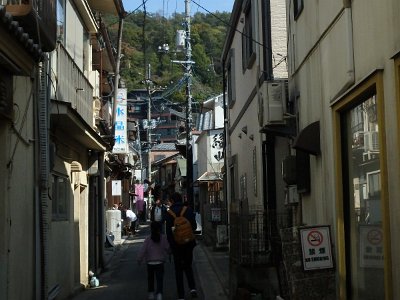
[[210, 176], [164, 147]]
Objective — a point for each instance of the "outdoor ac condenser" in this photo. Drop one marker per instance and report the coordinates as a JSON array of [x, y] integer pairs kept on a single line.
[[274, 98]]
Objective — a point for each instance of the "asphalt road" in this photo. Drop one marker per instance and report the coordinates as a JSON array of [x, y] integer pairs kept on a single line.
[[124, 279]]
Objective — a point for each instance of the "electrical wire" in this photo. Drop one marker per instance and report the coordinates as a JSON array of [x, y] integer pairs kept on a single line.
[[225, 23], [237, 30]]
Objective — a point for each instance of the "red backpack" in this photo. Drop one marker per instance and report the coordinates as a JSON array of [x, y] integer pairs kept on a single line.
[[182, 230]]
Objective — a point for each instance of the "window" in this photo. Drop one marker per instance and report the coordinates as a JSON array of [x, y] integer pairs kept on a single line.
[[231, 78], [248, 49], [362, 204], [86, 51], [61, 21], [364, 218], [233, 182], [297, 8], [60, 195]]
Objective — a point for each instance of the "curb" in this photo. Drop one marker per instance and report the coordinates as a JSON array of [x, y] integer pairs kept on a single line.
[[210, 281], [216, 270]]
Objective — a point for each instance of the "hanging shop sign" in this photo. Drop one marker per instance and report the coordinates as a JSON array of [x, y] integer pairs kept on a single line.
[[316, 247], [121, 136], [371, 246]]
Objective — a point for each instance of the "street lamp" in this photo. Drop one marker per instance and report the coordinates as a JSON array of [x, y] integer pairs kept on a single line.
[[164, 49]]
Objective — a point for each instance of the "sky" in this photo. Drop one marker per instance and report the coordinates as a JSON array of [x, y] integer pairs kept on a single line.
[[168, 7]]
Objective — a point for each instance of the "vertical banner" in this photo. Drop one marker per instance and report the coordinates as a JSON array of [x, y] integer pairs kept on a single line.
[[121, 135], [217, 146]]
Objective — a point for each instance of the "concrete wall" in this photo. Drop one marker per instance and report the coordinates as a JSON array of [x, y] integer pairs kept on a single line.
[[331, 50], [68, 240], [17, 203]]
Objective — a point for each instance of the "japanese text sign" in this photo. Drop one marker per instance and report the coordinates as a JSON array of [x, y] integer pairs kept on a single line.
[[316, 247], [121, 136]]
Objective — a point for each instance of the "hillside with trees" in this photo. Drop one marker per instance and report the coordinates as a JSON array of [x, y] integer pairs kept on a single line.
[[144, 35]]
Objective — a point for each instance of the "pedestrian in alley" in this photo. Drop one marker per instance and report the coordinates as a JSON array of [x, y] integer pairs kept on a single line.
[[158, 213], [154, 251], [129, 221], [182, 252]]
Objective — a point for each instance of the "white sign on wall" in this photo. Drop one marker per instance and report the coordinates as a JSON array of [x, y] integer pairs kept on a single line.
[[121, 135], [116, 188], [316, 247]]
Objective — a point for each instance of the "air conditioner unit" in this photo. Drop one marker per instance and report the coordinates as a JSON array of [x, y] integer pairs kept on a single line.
[[291, 197], [274, 96], [96, 107], [371, 141]]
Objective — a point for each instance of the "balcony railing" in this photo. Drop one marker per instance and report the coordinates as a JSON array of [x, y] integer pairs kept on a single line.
[[37, 17], [73, 86]]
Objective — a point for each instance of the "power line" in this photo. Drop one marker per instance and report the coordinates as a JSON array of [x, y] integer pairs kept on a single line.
[[231, 26], [225, 23]]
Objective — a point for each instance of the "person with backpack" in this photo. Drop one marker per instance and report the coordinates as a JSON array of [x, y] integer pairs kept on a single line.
[[154, 251], [180, 226]]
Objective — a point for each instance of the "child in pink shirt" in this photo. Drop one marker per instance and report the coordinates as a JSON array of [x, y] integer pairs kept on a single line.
[[154, 251]]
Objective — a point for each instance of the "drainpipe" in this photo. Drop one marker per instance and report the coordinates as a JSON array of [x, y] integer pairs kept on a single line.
[[226, 143], [38, 262], [101, 212], [43, 174]]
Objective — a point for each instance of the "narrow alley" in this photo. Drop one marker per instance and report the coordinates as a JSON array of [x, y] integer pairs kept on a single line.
[[125, 279]]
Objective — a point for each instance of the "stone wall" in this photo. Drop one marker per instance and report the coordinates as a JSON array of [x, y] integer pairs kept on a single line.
[[316, 284]]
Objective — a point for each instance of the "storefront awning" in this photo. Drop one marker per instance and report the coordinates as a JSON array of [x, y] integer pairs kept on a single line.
[[210, 176], [308, 140]]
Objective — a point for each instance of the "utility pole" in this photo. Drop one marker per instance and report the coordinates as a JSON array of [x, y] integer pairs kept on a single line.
[[116, 85], [148, 86], [188, 75]]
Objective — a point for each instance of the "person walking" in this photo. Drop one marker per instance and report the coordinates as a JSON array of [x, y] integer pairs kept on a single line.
[[157, 214], [182, 249], [154, 251]]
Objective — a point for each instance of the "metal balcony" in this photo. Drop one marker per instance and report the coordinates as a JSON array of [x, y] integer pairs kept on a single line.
[[37, 18], [73, 86]]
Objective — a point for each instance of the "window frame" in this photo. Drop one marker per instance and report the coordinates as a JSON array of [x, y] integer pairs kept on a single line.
[[230, 78], [56, 215], [373, 83], [248, 45], [61, 36]]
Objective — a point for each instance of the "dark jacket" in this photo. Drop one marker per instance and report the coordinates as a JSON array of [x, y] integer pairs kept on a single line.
[[189, 214]]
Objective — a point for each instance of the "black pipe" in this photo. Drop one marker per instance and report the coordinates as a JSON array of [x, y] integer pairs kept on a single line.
[[225, 139]]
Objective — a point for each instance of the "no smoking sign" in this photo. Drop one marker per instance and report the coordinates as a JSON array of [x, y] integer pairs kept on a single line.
[[316, 247], [315, 238]]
